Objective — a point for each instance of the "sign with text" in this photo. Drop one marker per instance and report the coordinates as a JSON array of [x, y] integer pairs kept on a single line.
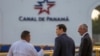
[[40, 17]]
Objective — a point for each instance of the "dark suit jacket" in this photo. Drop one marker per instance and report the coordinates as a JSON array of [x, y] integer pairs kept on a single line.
[[86, 46], [64, 46]]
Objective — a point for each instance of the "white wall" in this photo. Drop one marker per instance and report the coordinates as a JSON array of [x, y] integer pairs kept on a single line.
[[44, 32], [0, 27], [0, 24]]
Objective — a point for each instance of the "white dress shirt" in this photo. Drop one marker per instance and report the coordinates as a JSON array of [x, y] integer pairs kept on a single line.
[[84, 34], [23, 48]]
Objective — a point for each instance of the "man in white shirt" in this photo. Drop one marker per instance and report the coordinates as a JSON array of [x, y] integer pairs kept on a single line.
[[23, 47]]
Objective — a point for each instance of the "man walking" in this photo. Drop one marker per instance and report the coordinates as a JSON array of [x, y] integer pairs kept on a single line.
[[86, 43], [64, 45]]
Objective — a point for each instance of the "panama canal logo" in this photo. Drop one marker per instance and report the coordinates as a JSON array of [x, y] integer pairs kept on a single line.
[[44, 6]]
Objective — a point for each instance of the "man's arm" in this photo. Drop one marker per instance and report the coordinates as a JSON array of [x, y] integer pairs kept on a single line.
[[35, 53], [57, 47], [10, 52], [41, 53], [84, 47], [73, 49]]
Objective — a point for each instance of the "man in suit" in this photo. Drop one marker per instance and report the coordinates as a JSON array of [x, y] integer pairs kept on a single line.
[[64, 45], [86, 43]]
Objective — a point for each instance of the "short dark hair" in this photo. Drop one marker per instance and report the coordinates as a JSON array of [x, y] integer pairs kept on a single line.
[[24, 34], [62, 26]]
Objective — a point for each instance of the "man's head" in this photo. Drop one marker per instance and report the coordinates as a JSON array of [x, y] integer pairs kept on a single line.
[[83, 28], [25, 36], [61, 28]]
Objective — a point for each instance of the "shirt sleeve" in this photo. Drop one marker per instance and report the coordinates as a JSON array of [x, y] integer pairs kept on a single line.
[[84, 47], [57, 47], [10, 52], [35, 53], [41, 53]]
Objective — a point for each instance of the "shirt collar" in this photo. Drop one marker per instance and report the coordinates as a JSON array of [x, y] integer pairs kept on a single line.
[[63, 34], [84, 34], [23, 40]]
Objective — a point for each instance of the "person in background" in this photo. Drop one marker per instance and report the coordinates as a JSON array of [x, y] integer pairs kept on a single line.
[[64, 45], [86, 42], [23, 47]]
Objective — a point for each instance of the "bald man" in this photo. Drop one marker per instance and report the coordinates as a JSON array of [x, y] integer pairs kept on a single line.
[[86, 43]]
